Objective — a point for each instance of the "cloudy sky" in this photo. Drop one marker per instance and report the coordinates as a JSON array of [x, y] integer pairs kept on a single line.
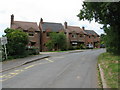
[[50, 10]]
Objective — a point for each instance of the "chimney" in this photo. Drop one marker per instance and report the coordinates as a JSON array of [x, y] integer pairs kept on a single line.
[[12, 19], [65, 25], [83, 28], [41, 21]]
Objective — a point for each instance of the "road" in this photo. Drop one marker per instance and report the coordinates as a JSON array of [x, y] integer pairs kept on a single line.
[[73, 70]]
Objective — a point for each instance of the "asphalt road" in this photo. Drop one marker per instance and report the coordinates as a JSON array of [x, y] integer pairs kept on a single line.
[[73, 70]]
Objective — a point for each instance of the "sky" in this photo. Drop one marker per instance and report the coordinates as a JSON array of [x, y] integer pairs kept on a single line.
[[57, 11]]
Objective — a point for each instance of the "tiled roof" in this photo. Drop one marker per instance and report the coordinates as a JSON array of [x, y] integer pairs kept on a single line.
[[55, 27], [91, 32], [75, 29], [25, 25]]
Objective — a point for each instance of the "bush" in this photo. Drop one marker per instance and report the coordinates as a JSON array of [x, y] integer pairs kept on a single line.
[[33, 51], [49, 45], [82, 46], [72, 48], [17, 41]]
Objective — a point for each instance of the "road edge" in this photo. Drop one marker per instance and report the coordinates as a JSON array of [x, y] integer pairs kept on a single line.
[[27, 62], [103, 81]]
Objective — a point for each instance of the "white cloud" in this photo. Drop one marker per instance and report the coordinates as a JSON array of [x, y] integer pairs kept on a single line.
[[50, 10]]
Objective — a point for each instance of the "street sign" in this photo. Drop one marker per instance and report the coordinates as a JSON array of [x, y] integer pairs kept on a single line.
[[3, 40]]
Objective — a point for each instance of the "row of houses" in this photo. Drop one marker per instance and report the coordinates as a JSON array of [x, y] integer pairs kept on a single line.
[[39, 34]]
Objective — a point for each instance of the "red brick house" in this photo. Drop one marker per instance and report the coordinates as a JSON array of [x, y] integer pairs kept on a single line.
[[29, 27], [39, 35], [45, 29], [75, 35], [92, 38]]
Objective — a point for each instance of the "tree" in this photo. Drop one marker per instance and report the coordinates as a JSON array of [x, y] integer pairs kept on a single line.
[[102, 39], [50, 45], [58, 41], [17, 41], [108, 14]]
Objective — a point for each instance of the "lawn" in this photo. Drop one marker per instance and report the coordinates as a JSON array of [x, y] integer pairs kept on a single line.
[[109, 64]]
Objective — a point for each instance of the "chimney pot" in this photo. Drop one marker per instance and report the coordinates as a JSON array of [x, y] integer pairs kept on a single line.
[[83, 28], [41, 20], [12, 19], [65, 25]]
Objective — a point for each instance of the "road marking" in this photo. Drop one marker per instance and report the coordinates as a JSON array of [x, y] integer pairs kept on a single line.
[[29, 67], [18, 71], [48, 60]]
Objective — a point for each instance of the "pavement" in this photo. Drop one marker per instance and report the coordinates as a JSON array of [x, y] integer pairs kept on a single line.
[[11, 64], [61, 70]]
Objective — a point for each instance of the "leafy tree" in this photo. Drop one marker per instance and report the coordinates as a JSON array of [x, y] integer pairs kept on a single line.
[[58, 41], [102, 39], [108, 14], [50, 45], [62, 41], [17, 41]]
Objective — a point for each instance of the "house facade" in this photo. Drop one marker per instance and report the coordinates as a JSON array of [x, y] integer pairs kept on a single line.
[[39, 35], [75, 35], [29, 27], [45, 29], [92, 38]]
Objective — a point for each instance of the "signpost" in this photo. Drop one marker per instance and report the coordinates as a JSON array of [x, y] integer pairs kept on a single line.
[[4, 42]]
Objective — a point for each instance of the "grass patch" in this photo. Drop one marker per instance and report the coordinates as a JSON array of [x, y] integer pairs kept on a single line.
[[109, 64], [99, 78]]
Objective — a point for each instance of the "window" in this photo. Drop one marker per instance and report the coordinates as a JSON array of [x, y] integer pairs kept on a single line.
[[89, 36], [48, 34], [33, 43], [25, 31], [31, 34], [81, 35], [44, 44], [74, 35]]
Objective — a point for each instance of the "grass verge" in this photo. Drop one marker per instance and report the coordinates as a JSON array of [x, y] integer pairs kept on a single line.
[[109, 64], [99, 78]]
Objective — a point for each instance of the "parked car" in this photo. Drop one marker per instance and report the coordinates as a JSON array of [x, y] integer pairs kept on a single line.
[[102, 46], [90, 46]]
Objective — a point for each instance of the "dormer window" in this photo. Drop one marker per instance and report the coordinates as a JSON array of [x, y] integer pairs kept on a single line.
[[31, 34], [74, 35], [81, 35]]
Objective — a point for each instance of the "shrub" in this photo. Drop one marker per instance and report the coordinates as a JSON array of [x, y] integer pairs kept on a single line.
[[82, 46], [17, 41], [33, 51]]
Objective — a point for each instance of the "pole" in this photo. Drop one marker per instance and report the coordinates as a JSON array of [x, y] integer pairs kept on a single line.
[[5, 51]]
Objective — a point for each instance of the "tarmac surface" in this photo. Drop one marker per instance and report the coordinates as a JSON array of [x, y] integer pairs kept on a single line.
[[61, 70]]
